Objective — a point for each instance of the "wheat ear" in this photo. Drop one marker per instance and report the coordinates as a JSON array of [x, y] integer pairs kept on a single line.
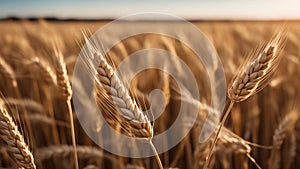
[[29, 104], [84, 152], [253, 76], [127, 113], [114, 98], [256, 74], [14, 139], [46, 70], [65, 86], [8, 71], [286, 126]]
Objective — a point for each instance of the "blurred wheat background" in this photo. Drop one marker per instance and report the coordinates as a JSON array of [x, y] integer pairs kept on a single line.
[[29, 87]]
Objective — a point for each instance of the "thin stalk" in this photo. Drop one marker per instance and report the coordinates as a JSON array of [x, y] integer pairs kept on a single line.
[[217, 134], [73, 133], [156, 154], [52, 115], [253, 161]]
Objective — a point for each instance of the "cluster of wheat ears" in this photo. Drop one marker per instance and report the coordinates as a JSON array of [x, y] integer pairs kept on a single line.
[[37, 91]]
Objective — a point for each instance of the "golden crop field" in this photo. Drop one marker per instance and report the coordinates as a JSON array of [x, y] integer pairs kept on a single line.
[[37, 60]]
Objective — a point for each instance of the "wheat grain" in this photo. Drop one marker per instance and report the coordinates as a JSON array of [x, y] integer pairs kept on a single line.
[[258, 69], [14, 139], [126, 113]]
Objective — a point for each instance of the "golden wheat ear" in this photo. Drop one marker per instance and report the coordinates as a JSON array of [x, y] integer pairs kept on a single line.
[[258, 68], [10, 134], [284, 130], [113, 97], [122, 109], [253, 75]]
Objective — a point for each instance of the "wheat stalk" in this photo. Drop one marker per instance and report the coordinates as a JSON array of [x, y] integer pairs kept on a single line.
[[65, 86], [14, 139], [253, 76]]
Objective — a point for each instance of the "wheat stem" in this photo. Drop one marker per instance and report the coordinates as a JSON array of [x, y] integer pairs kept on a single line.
[[64, 84], [217, 134], [73, 133], [156, 154]]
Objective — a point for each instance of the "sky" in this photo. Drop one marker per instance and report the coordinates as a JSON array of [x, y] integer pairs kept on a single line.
[[188, 9]]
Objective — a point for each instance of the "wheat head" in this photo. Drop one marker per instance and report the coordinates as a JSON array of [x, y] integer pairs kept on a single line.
[[84, 152], [63, 81], [124, 110], [8, 71], [286, 126], [11, 135], [46, 70], [258, 69]]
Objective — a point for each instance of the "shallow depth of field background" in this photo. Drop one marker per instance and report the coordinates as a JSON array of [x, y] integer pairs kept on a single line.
[[255, 120], [270, 118]]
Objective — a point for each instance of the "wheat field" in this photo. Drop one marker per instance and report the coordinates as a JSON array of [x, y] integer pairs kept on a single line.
[[37, 59]]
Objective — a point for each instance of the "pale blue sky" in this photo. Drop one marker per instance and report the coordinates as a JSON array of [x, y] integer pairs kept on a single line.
[[189, 9]]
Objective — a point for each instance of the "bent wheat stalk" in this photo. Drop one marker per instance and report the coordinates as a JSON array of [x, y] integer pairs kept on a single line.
[[16, 145], [252, 77]]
